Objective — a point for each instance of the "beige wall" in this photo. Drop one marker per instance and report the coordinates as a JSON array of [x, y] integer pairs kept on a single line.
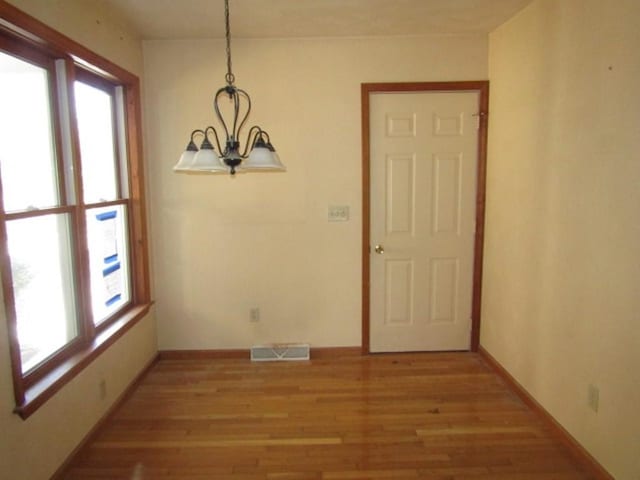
[[562, 261], [224, 245], [34, 448]]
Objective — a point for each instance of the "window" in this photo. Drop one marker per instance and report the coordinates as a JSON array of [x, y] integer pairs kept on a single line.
[[103, 190], [75, 273]]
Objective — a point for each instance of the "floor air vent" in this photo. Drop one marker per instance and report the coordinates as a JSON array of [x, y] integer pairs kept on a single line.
[[280, 352]]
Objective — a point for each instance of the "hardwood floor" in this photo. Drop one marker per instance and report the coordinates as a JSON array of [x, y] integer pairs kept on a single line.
[[443, 416]]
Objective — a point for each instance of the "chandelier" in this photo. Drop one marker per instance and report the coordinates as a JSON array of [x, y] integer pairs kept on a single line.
[[258, 153]]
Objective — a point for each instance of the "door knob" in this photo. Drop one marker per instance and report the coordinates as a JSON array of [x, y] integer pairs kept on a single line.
[[379, 249]]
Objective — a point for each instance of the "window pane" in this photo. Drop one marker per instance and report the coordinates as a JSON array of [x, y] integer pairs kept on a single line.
[[109, 260], [41, 266], [27, 155], [97, 147]]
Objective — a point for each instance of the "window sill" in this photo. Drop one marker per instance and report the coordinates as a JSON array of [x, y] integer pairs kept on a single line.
[[45, 388]]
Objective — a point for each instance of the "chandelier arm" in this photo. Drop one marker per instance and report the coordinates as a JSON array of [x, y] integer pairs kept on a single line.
[[215, 134], [252, 136], [246, 115], [218, 113], [197, 130], [236, 114]]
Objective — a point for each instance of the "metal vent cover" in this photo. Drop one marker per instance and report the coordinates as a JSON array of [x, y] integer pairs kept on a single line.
[[280, 352]]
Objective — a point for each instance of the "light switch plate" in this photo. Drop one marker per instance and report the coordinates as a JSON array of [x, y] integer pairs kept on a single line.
[[338, 213]]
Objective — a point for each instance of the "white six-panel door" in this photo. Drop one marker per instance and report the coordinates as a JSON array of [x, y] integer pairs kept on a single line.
[[423, 160]]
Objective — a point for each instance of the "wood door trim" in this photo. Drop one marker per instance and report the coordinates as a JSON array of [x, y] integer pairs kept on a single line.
[[366, 89]]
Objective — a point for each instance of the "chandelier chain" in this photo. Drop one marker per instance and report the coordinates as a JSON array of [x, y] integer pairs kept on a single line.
[[229, 76]]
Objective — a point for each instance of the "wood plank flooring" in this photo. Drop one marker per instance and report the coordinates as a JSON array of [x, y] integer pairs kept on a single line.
[[436, 416]]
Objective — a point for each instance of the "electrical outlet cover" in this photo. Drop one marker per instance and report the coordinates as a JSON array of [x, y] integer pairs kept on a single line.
[[338, 213]]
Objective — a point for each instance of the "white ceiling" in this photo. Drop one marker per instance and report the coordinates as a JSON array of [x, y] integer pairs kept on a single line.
[[172, 19]]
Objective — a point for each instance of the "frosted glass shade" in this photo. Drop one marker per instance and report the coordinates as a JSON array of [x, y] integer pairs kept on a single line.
[[186, 160], [276, 158], [262, 158], [206, 160]]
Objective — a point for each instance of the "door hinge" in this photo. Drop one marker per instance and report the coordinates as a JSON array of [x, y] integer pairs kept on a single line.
[[478, 116]]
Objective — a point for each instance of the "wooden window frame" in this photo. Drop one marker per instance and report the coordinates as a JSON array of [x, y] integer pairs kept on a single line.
[[89, 78], [31, 39]]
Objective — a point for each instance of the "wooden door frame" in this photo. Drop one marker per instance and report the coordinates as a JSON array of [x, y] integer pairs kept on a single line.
[[366, 89]]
